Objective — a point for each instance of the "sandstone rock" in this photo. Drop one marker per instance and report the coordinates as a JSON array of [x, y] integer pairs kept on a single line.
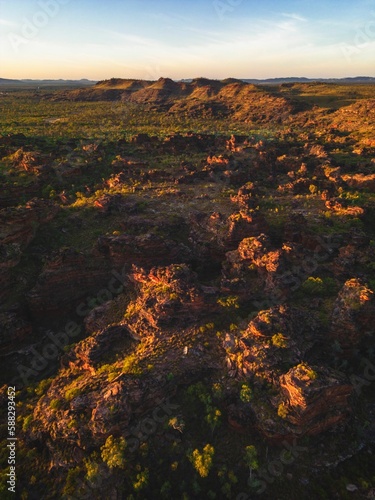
[[273, 339], [244, 225], [246, 197], [113, 203], [361, 181], [90, 353], [67, 278], [18, 227], [10, 195], [353, 315], [14, 328], [166, 296], [315, 398], [32, 161], [144, 250]]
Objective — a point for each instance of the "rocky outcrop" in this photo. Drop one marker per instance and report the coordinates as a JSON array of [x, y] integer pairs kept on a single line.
[[105, 408], [304, 400], [89, 353], [166, 296], [353, 316], [14, 328], [67, 278], [32, 161], [275, 338], [361, 181], [313, 399], [143, 250], [18, 227], [10, 195], [244, 225]]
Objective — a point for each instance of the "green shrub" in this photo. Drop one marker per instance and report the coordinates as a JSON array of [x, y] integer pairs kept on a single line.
[[27, 422], [55, 404], [245, 393], [278, 340], [202, 461], [282, 410], [113, 452], [313, 286], [72, 393]]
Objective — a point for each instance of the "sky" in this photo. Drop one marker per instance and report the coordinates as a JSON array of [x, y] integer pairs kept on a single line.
[[148, 39]]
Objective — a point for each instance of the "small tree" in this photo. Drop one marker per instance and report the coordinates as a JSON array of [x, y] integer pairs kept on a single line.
[[245, 393], [251, 458], [113, 452], [213, 417], [202, 461]]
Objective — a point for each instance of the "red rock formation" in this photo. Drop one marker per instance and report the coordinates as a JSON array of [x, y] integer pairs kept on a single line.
[[361, 181], [246, 197], [18, 227], [32, 161], [68, 278], [167, 296], [353, 315], [88, 354], [314, 398], [244, 225], [274, 338], [14, 328], [144, 250]]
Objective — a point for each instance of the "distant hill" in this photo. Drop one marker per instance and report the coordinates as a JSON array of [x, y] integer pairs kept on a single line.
[[133, 84], [43, 83], [295, 79], [356, 79]]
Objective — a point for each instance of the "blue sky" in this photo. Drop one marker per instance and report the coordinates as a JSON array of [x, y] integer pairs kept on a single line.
[[213, 38]]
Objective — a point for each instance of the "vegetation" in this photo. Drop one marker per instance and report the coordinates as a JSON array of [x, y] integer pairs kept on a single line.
[[113, 452]]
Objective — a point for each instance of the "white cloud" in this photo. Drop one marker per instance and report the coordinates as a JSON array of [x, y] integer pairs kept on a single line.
[[133, 39], [295, 17]]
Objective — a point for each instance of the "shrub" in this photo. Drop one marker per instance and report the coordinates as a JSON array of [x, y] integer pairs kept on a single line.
[[142, 480], [112, 452], [282, 410], [27, 422], [55, 404], [313, 286], [245, 393], [279, 340], [43, 386], [230, 302], [92, 470], [305, 370], [72, 393], [202, 461]]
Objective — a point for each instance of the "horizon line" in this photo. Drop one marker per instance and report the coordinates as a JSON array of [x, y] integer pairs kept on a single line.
[[192, 78]]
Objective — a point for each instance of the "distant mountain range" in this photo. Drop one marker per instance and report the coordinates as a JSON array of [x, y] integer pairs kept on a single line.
[[42, 83], [292, 79], [85, 82], [356, 79]]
